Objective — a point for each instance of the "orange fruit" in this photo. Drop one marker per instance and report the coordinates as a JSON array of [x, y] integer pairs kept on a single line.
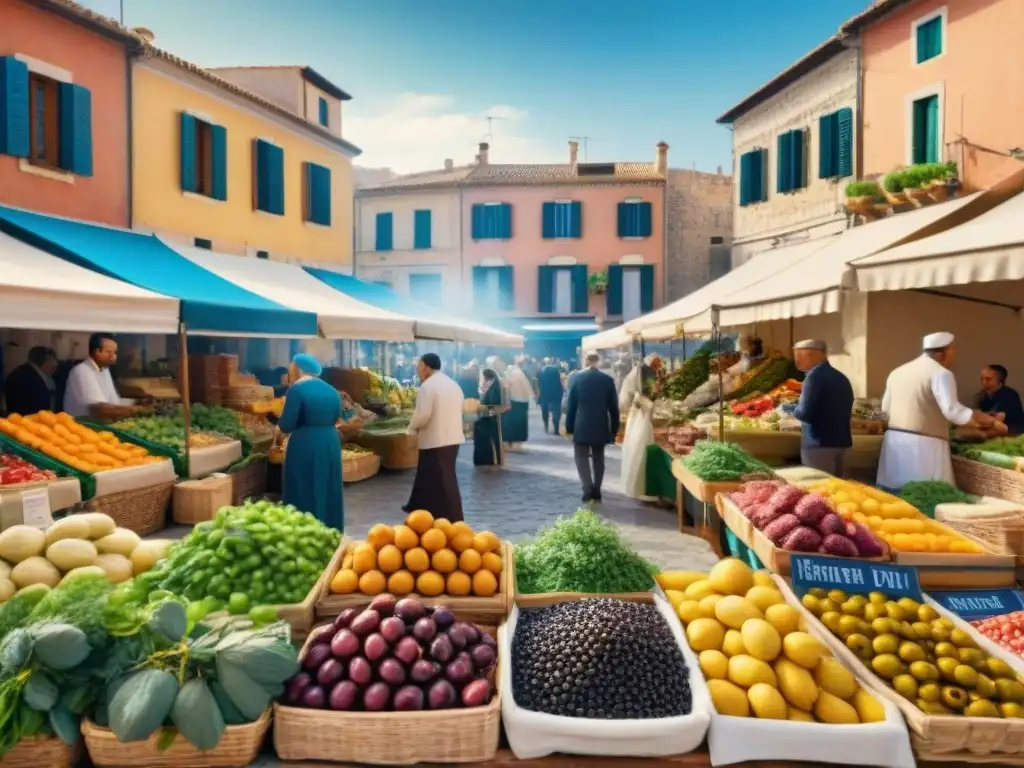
[[372, 583], [460, 527], [364, 559], [485, 542], [491, 562], [400, 583], [462, 541], [380, 536], [444, 525], [417, 560], [433, 540], [444, 561], [470, 561], [405, 537], [485, 584], [420, 521], [458, 584], [345, 582], [389, 559], [430, 583]]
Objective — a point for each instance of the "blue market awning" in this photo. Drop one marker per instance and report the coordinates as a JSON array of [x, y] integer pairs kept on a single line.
[[429, 322], [209, 304]]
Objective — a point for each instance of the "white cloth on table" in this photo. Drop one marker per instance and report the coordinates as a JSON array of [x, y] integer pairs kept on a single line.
[[519, 388], [88, 385], [437, 419]]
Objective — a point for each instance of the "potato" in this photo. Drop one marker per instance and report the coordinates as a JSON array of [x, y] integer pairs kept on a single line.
[[120, 542], [20, 542], [35, 570], [148, 554], [7, 589], [117, 567], [73, 527], [85, 570], [68, 554], [100, 525]]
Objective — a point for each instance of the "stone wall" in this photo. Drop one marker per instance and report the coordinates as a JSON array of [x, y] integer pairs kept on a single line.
[[699, 209]]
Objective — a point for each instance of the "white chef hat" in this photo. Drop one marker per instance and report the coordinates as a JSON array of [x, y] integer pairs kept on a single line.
[[939, 340]]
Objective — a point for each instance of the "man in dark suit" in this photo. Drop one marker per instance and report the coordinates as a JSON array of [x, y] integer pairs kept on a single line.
[[30, 387], [825, 408], [592, 418], [549, 393]]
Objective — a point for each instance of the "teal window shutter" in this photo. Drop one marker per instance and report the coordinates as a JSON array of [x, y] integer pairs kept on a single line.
[[506, 289], [545, 289], [624, 220], [644, 224], [827, 147], [547, 217], [759, 164], [75, 129], [505, 227], [580, 293], [783, 162], [929, 39], [797, 170], [384, 231], [15, 125], [744, 184], [478, 221], [844, 142], [480, 299], [646, 287], [615, 290], [324, 117], [276, 180], [932, 130], [421, 229], [576, 220], [269, 178], [189, 172], [219, 162], [318, 194]]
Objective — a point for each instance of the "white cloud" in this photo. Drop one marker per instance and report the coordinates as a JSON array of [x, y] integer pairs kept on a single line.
[[419, 131]]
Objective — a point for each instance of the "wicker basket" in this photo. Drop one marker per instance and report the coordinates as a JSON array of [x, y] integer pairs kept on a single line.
[[395, 451], [238, 748], [349, 429], [196, 501], [143, 510], [392, 738], [42, 752], [983, 480], [249, 482], [360, 468]]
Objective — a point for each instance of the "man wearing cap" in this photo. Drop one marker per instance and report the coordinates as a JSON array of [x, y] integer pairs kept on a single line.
[[921, 401], [825, 408]]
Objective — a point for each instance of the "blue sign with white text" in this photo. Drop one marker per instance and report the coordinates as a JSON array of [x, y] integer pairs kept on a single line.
[[975, 604], [856, 577]]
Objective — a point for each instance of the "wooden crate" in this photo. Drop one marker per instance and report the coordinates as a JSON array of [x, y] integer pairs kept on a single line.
[[699, 489]]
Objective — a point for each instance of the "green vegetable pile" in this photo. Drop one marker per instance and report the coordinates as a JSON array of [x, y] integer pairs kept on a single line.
[[717, 462], [1001, 452], [393, 425], [694, 372], [928, 494], [216, 418], [766, 378], [169, 428], [582, 553]]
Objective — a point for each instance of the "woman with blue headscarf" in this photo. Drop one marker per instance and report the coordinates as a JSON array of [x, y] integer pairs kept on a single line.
[[312, 462]]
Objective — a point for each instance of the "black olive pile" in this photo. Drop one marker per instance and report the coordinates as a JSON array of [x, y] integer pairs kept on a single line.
[[599, 658]]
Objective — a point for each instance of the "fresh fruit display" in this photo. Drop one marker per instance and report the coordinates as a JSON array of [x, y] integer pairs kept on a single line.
[[803, 522], [714, 462], [273, 407], [755, 408], [583, 553], [898, 523], [15, 471], [765, 377], [1006, 630], [599, 658], [388, 391], [73, 545], [259, 553], [168, 431], [62, 438], [694, 372], [424, 556], [757, 656], [926, 495], [920, 654], [395, 656], [352, 451]]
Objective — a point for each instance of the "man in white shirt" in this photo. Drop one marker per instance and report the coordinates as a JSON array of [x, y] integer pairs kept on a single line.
[[515, 423], [921, 401], [90, 388], [437, 421]]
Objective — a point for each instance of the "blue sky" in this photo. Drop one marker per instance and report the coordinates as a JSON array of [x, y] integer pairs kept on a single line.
[[424, 73]]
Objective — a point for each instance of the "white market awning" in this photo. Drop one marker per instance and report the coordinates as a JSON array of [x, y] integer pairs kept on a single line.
[[43, 292], [987, 249], [339, 315], [610, 339]]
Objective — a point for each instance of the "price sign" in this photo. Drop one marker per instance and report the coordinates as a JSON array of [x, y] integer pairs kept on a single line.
[[975, 604], [854, 576], [35, 508]]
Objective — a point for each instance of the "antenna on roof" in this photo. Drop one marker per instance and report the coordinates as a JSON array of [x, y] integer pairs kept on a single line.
[[585, 141], [490, 120]]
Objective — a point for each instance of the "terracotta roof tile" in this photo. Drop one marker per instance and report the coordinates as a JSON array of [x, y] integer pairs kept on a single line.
[[421, 180], [82, 13]]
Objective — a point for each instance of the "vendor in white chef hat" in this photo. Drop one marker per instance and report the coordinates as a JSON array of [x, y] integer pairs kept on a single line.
[[921, 401]]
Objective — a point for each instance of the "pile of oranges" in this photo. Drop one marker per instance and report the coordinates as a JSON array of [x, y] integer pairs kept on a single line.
[[62, 438], [423, 556]]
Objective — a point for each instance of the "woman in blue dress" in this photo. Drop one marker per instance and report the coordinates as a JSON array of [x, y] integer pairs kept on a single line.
[[312, 461]]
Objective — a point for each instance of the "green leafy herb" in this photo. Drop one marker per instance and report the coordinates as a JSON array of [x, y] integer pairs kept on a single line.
[[928, 494], [717, 462]]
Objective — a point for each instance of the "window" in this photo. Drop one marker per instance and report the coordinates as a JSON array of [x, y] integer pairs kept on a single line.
[[717, 240], [44, 111], [421, 230], [262, 254], [324, 116], [493, 289], [790, 174], [317, 201], [925, 130], [562, 219], [595, 169], [928, 36], [561, 298], [562, 290], [631, 299], [425, 288], [753, 188], [492, 221], [203, 158], [202, 242], [269, 182], [384, 232], [835, 144], [634, 219], [630, 290]]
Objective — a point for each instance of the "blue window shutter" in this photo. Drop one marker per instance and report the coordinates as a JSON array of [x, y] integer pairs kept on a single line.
[[615, 290], [505, 227], [932, 130], [309, 192], [827, 147], [580, 294], [506, 289], [15, 125], [547, 219], [545, 289], [189, 172], [318, 194], [646, 287], [744, 184], [759, 163], [276, 174], [421, 229], [929, 39], [479, 283], [324, 117], [576, 223], [844, 142], [75, 129], [478, 221], [783, 163], [624, 220], [384, 240], [219, 162], [798, 171], [645, 223]]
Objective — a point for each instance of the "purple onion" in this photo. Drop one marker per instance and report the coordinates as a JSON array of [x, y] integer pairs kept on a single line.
[[392, 672], [359, 671], [330, 672], [297, 686], [315, 656], [443, 617], [392, 629], [343, 619], [345, 644], [424, 629], [407, 650], [343, 696]]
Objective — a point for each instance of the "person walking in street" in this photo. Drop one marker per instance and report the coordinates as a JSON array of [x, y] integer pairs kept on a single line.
[[592, 418], [825, 408], [549, 394], [515, 422], [437, 421], [487, 446]]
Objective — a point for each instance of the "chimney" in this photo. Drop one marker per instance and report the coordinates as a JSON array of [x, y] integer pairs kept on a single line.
[[661, 158], [481, 157], [574, 151], [448, 164], [145, 34]]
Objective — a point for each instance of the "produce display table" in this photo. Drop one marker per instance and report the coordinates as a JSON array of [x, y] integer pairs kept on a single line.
[[659, 481], [203, 462], [62, 493]]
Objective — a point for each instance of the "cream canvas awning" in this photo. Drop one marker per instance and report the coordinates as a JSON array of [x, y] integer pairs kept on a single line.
[[610, 339], [44, 292]]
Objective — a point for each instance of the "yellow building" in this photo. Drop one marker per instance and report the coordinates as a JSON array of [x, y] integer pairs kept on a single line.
[[247, 161]]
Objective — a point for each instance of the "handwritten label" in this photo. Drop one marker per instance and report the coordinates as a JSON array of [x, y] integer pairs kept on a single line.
[[35, 508], [974, 604], [854, 576]]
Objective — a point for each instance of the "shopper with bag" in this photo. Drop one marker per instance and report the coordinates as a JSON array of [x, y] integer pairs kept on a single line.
[[639, 430]]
